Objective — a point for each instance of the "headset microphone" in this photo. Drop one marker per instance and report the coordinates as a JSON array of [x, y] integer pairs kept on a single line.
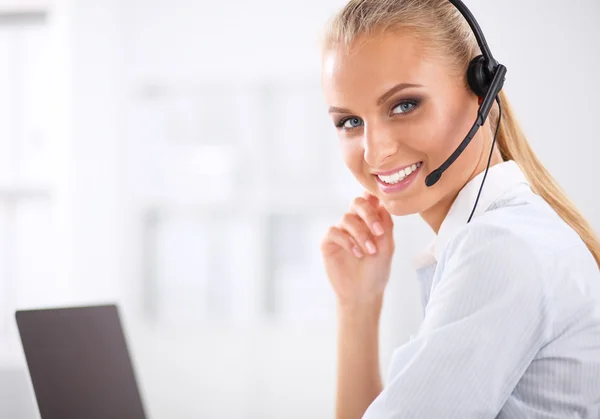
[[486, 78]]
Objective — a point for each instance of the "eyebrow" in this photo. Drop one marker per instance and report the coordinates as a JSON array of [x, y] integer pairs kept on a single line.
[[382, 98]]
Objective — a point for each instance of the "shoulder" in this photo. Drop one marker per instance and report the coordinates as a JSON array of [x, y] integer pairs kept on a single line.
[[492, 265], [528, 232]]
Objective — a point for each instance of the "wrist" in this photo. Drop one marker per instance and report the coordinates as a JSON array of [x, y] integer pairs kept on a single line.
[[358, 323], [369, 306]]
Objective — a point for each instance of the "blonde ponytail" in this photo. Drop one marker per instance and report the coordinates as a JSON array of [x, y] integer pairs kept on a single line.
[[513, 145]]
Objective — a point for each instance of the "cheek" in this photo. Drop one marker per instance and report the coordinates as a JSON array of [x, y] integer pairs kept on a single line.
[[436, 134], [352, 154], [428, 135]]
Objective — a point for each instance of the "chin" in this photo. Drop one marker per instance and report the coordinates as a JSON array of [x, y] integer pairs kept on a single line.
[[400, 208]]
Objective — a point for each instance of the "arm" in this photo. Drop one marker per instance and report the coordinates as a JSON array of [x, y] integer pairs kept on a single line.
[[358, 377], [357, 255]]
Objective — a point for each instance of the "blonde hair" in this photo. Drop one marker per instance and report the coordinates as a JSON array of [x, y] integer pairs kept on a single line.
[[441, 27]]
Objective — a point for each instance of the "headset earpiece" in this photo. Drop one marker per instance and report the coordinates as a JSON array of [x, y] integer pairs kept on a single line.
[[478, 76]]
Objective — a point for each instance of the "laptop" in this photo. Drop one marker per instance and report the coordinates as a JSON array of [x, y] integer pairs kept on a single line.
[[79, 363]]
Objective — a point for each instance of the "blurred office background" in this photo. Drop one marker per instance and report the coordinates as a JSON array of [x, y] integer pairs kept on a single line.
[[175, 157]]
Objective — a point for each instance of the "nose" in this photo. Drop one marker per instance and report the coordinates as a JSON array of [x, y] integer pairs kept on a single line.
[[379, 145]]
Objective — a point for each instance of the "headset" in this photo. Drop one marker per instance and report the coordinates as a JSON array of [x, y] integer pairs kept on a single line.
[[485, 77]]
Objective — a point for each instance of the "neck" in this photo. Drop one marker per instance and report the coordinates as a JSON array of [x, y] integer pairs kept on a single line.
[[434, 216]]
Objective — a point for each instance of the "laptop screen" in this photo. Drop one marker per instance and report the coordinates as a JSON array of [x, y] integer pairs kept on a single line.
[[79, 363]]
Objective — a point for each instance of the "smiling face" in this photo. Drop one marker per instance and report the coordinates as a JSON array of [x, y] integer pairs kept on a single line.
[[397, 105]]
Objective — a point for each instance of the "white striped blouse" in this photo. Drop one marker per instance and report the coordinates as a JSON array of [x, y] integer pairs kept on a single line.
[[511, 324]]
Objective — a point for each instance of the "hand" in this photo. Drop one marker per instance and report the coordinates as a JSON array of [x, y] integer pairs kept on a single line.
[[357, 252]]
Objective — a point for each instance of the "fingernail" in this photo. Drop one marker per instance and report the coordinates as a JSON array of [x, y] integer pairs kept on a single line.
[[370, 247], [357, 252], [377, 228]]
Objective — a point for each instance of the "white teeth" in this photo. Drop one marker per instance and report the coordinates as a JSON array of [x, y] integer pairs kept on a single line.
[[400, 175]]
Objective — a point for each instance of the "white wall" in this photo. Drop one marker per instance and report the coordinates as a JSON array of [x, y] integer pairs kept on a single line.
[[96, 36]]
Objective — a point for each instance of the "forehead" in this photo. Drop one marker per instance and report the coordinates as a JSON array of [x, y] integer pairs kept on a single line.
[[377, 63]]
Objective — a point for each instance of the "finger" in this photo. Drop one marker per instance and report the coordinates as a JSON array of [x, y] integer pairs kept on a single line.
[[383, 213], [369, 214], [359, 231], [372, 199], [344, 240]]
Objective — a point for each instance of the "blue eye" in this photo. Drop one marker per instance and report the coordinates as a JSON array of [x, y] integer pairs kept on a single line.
[[349, 123], [404, 107]]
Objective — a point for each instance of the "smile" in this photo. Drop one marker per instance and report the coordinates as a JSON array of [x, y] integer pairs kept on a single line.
[[399, 175]]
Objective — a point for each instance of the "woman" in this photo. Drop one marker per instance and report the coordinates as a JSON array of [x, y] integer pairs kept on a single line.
[[512, 298]]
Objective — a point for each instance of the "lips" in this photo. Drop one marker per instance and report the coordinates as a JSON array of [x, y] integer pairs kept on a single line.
[[398, 175], [398, 182]]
